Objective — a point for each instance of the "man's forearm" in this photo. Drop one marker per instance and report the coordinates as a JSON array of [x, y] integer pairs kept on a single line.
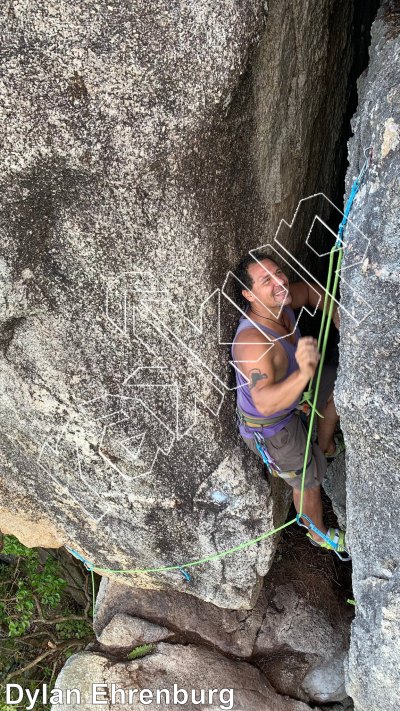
[[279, 396]]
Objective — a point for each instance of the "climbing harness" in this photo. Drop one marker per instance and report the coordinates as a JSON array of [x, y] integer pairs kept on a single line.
[[259, 422], [307, 404]]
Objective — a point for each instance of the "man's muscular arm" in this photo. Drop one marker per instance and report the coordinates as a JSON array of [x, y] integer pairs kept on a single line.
[[258, 366]]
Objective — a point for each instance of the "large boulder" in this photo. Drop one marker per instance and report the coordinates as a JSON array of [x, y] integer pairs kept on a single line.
[[231, 632], [128, 632], [303, 639], [305, 650], [235, 685], [368, 387]]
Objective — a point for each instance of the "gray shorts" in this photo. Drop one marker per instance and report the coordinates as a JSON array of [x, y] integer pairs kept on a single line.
[[287, 449], [288, 446]]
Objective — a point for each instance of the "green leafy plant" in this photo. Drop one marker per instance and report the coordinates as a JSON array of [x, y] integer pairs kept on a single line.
[[141, 651], [35, 584], [73, 629], [41, 624]]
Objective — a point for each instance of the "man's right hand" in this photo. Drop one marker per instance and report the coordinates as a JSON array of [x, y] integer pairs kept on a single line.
[[307, 356]]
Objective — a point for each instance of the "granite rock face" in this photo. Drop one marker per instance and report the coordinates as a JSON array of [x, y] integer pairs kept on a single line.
[[119, 218], [237, 685], [135, 160], [368, 386], [334, 484], [301, 85], [146, 147]]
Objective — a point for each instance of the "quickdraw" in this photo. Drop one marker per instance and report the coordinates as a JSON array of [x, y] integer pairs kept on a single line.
[[343, 555], [261, 445]]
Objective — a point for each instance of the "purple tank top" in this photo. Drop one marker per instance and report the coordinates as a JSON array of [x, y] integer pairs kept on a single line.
[[244, 399]]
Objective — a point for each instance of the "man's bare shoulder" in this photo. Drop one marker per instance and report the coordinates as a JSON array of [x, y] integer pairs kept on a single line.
[[252, 344], [253, 335], [253, 348]]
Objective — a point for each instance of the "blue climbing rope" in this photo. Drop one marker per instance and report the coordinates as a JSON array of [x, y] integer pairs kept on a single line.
[[353, 192]]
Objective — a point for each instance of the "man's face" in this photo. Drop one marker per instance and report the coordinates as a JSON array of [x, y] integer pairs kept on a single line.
[[270, 285]]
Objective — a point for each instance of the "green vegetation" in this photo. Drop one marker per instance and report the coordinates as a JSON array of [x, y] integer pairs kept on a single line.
[[41, 624], [142, 651]]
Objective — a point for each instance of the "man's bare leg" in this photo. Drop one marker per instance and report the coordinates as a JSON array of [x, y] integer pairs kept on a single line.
[[326, 427], [312, 507]]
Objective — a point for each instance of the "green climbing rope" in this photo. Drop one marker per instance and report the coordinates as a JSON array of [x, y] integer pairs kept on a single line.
[[322, 339], [215, 556]]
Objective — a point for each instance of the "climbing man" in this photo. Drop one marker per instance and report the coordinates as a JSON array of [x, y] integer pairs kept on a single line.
[[273, 367]]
